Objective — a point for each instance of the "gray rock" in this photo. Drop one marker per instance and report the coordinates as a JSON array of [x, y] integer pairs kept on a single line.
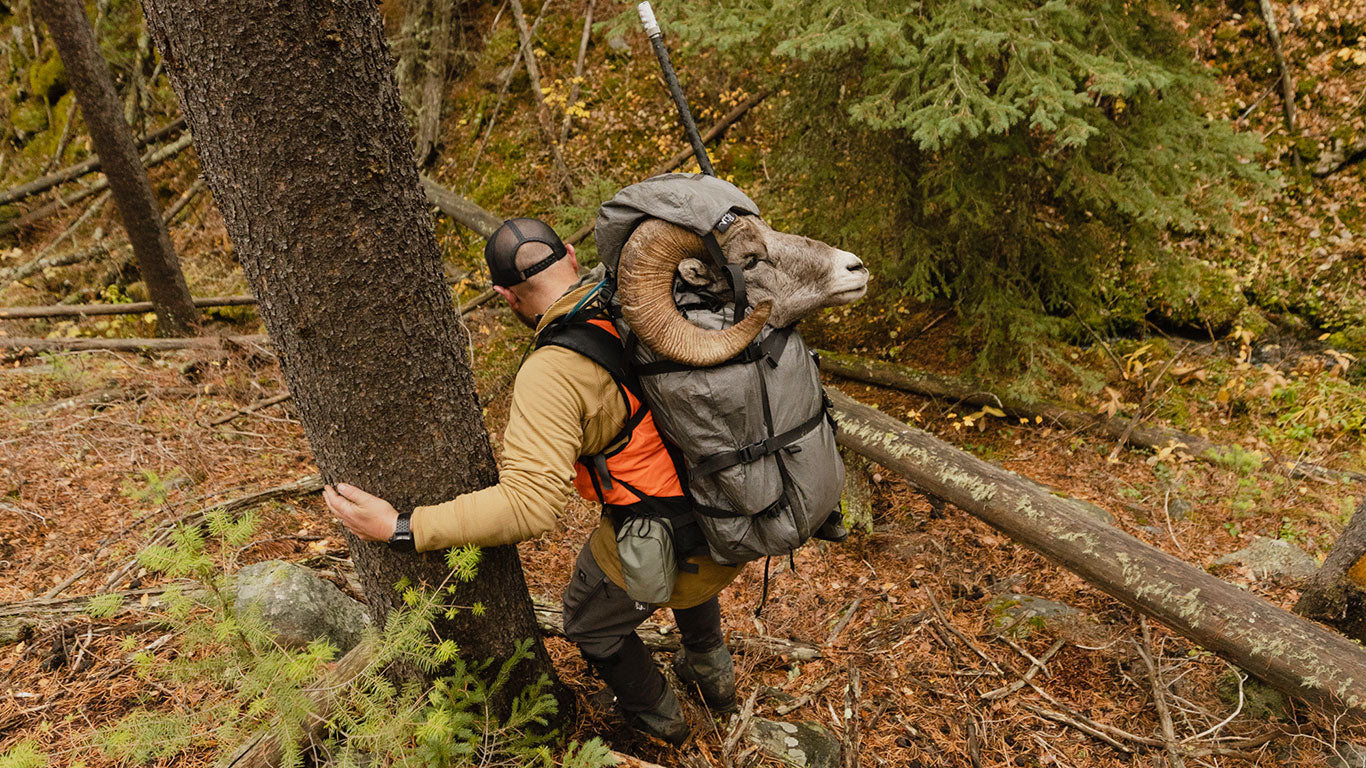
[[1345, 754], [618, 44], [1179, 509], [802, 745], [298, 605], [1273, 559], [1024, 613]]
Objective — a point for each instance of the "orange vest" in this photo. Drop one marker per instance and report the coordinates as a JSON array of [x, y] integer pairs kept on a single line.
[[642, 463]]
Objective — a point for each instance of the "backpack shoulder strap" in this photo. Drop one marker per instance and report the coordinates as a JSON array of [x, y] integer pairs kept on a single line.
[[597, 344]]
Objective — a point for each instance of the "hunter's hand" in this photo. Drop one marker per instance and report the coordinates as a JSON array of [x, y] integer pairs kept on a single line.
[[368, 516]]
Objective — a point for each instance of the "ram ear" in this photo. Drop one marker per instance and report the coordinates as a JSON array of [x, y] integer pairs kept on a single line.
[[694, 272]]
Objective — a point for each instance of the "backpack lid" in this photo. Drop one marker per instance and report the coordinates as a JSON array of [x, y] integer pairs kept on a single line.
[[693, 201]]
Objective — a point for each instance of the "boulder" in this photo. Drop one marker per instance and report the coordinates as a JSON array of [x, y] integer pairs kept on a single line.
[[801, 745], [298, 605], [1272, 559]]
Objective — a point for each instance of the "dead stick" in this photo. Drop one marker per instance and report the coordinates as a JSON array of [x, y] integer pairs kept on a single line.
[[844, 621], [1159, 697], [1287, 82], [542, 111], [1034, 668], [254, 407], [572, 99], [502, 94], [125, 345], [44, 183], [1084, 727], [150, 160]]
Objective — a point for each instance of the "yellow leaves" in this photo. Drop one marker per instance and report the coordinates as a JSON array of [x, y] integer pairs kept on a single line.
[[1355, 56], [1114, 404], [1172, 450], [978, 419], [1134, 363]]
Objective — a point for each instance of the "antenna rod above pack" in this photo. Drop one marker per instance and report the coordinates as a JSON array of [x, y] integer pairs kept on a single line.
[[647, 19]]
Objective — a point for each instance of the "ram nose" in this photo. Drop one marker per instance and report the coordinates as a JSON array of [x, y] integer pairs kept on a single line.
[[849, 262], [849, 278]]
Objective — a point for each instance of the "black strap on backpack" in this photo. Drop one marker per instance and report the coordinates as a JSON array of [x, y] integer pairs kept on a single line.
[[575, 333]]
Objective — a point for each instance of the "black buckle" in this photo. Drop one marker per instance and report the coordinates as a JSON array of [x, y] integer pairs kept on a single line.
[[753, 452]]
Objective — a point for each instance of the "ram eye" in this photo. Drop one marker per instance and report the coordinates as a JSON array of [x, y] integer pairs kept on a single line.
[[752, 261]]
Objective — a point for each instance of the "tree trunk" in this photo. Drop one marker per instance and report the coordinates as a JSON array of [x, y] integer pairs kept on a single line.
[[1337, 593], [1298, 657], [303, 142], [89, 77]]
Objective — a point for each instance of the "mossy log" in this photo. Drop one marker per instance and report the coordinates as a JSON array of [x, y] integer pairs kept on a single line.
[[1296, 656], [131, 308], [32, 346], [1141, 435]]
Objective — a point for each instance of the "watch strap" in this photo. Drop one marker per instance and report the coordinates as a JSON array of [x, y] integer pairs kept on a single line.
[[402, 540]]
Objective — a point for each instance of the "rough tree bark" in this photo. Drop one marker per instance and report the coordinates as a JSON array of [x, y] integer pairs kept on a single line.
[[89, 77], [1296, 656], [303, 142], [1337, 593]]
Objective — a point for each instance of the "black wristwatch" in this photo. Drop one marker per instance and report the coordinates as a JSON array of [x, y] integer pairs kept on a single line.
[[402, 540]]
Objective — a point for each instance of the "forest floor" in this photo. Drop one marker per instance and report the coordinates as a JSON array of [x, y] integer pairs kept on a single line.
[[913, 604], [920, 658]]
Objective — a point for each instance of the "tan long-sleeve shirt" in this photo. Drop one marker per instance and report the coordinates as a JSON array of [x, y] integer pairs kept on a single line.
[[563, 406]]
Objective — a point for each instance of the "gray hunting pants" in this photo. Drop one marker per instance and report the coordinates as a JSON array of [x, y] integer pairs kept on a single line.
[[601, 619]]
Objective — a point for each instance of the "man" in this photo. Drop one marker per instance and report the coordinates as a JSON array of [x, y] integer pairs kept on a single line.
[[566, 407]]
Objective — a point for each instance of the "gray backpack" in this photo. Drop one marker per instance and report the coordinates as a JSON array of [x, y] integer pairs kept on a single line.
[[753, 434]]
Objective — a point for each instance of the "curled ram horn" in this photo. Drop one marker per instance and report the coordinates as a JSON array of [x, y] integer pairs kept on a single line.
[[645, 278]]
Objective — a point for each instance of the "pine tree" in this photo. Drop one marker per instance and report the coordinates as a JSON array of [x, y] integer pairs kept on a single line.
[[1027, 160]]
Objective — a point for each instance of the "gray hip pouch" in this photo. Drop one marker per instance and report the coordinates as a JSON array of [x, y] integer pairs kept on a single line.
[[648, 563]]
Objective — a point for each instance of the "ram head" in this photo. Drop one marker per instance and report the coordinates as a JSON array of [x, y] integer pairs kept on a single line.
[[786, 278]]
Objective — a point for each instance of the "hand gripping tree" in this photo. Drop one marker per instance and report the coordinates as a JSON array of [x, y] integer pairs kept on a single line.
[[301, 135]]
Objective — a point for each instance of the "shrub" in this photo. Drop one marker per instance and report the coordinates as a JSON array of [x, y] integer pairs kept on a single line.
[[1017, 158]]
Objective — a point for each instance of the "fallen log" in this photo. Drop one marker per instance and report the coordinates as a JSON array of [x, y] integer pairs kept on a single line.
[[149, 161], [132, 308], [478, 220], [1295, 656], [100, 398], [90, 165], [129, 345], [35, 345], [254, 407], [1140, 435]]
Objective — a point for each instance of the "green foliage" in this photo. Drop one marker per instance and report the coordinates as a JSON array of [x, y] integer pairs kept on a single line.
[[104, 606], [387, 714], [1021, 159], [1237, 458], [153, 489], [25, 754]]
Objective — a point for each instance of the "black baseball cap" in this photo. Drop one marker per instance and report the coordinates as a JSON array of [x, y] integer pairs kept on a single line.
[[500, 252]]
